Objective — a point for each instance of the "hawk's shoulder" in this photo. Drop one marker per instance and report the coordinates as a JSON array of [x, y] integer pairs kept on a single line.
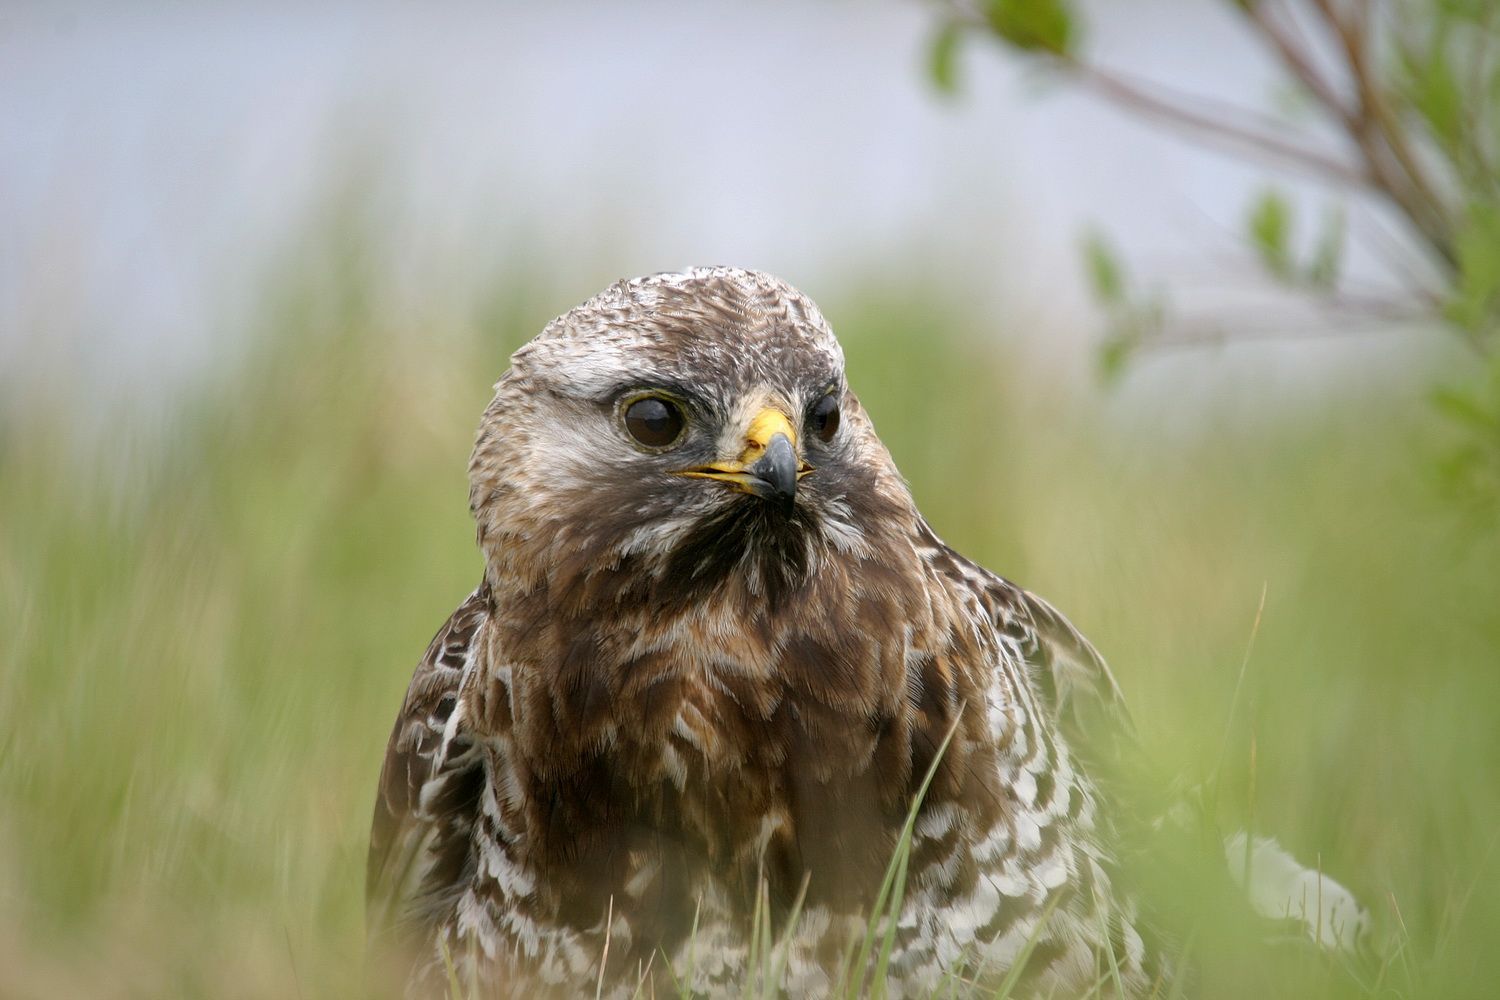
[[1072, 678]]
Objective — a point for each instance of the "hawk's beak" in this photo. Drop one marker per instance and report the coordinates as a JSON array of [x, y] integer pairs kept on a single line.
[[768, 466]]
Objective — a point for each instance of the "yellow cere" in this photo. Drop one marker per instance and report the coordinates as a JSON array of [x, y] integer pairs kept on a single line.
[[766, 425]]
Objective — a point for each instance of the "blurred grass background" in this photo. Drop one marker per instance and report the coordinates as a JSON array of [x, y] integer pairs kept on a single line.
[[205, 633]]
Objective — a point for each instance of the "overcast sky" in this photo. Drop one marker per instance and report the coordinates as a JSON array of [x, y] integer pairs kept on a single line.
[[152, 157]]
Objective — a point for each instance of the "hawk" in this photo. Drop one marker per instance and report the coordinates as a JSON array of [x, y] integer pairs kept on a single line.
[[716, 662]]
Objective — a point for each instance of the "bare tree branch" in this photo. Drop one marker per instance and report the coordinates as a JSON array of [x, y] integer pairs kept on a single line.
[[1384, 139], [1195, 336], [1229, 126], [1393, 124], [1298, 61]]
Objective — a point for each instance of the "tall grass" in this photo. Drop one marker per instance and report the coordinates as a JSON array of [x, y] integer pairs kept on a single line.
[[203, 641]]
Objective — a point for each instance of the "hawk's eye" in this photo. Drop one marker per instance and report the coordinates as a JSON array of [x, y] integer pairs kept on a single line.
[[653, 421], [823, 418]]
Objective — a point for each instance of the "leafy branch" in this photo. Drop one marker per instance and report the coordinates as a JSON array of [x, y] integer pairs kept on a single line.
[[1408, 91]]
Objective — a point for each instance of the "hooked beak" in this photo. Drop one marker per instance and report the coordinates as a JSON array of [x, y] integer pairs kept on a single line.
[[768, 466]]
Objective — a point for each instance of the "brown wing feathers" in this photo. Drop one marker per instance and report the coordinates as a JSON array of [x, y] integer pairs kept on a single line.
[[405, 827]]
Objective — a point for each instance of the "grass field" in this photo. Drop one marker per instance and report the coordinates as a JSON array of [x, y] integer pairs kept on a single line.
[[204, 635]]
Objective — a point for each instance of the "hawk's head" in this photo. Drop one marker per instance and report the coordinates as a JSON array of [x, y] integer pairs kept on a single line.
[[694, 427]]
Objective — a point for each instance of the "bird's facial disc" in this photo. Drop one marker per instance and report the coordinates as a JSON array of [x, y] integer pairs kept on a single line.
[[767, 466]]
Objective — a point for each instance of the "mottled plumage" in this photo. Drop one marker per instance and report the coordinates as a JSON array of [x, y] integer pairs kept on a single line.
[[671, 688]]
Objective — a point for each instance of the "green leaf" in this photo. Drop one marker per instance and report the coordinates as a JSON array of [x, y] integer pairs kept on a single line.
[[1032, 25], [1463, 406], [1472, 11], [1270, 227], [942, 57], [1434, 91], [1323, 269], [1476, 297], [1106, 277], [1132, 325], [1114, 353]]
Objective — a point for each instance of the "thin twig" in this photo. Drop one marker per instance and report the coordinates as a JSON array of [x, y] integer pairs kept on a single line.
[[1397, 255], [1297, 61], [1232, 126], [1378, 132], [1228, 125], [1479, 98], [1327, 329]]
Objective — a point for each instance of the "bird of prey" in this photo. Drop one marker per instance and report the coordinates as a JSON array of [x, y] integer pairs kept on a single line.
[[715, 654]]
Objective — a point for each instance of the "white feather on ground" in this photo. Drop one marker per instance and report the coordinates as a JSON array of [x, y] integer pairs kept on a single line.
[[1281, 888]]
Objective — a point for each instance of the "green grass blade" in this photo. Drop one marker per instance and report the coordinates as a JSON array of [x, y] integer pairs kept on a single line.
[[888, 900], [1018, 966]]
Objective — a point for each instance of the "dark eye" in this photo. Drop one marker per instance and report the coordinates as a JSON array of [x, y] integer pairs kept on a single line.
[[823, 418], [653, 421]]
